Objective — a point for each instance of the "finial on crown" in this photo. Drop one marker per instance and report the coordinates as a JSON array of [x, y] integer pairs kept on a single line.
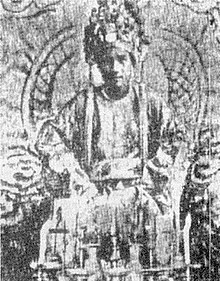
[[113, 20]]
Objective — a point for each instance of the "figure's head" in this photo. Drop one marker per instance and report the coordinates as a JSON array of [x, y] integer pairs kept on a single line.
[[112, 43]]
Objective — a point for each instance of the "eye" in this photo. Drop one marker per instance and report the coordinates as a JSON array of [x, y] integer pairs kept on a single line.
[[107, 63], [107, 67], [121, 58]]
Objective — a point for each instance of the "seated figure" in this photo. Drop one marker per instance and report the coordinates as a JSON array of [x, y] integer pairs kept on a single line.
[[108, 138]]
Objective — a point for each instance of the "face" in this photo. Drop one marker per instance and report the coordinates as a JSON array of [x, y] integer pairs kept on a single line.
[[113, 72]]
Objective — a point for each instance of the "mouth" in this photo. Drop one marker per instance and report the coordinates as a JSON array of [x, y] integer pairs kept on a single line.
[[113, 81]]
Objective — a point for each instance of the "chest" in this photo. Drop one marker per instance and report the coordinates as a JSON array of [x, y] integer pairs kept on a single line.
[[118, 127]]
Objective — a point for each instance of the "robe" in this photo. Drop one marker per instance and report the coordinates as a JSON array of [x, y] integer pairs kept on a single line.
[[105, 134]]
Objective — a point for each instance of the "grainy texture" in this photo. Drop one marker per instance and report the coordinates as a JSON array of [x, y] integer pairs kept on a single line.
[[110, 140]]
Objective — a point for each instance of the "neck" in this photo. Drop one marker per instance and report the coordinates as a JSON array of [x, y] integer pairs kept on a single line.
[[107, 94]]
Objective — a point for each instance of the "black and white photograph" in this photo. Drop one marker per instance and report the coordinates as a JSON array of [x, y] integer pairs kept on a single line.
[[110, 140]]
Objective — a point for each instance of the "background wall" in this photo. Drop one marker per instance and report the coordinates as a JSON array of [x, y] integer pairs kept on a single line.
[[185, 37]]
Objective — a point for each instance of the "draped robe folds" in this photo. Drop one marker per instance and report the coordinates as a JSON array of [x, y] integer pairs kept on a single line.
[[98, 129], [100, 132], [103, 140]]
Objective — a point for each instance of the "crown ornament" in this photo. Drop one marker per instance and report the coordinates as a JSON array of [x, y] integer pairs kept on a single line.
[[113, 21]]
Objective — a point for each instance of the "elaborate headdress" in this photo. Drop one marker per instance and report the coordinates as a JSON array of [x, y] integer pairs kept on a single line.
[[113, 21]]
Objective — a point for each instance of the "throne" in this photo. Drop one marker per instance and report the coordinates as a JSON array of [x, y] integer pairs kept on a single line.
[[118, 236]]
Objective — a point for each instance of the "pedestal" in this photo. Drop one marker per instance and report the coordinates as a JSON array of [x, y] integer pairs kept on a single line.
[[135, 265], [91, 264]]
